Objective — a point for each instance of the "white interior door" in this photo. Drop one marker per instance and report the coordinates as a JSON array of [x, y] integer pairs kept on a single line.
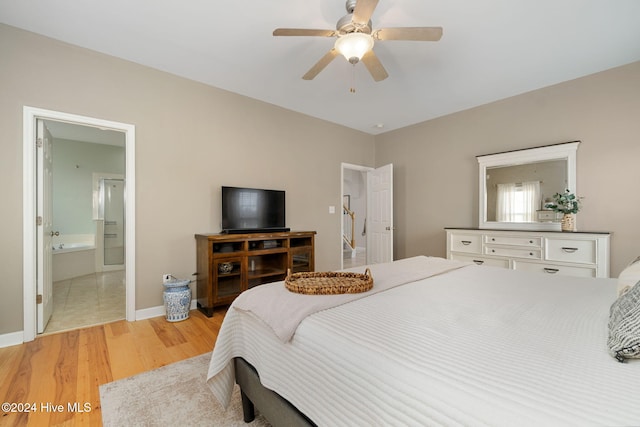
[[380, 215], [44, 207]]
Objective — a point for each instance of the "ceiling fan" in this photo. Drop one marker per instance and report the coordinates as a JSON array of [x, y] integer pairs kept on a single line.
[[356, 38]]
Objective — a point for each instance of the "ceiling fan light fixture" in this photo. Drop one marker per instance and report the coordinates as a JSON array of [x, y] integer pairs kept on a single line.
[[353, 46]]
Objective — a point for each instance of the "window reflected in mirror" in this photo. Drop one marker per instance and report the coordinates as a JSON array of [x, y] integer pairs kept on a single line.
[[519, 193]]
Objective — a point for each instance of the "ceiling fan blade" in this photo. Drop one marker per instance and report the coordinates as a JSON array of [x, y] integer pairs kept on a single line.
[[303, 32], [320, 65], [428, 34], [374, 66], [363, 11]]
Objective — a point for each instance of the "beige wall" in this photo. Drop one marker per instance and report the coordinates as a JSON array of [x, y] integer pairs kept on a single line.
[[190, 140], [436, 169]]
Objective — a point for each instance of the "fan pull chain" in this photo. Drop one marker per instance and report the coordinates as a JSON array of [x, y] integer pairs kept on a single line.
[[352, 89]]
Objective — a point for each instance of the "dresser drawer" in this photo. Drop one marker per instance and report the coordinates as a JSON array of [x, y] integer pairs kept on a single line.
[[466, 243], [533, 242], [552, 269], [479, 260], [577, 251], [513, 252]]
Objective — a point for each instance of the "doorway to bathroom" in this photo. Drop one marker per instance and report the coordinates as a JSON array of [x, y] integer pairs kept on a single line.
[[87, 196], [82, 254]]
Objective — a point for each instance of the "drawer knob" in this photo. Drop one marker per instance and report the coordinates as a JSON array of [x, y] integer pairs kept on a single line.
[[569, 250], [493, 239], [493, 250], [530, 241], [465, 242], [478, 261], [551, 270], [530, 253]]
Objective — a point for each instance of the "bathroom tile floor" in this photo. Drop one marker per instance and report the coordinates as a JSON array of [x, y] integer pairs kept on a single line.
[[87, 300]]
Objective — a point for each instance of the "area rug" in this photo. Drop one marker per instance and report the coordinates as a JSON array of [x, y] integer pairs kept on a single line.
[[175, 394]]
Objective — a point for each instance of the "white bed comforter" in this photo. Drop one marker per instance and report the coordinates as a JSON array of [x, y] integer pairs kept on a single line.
[[283, 310], [474, 346]]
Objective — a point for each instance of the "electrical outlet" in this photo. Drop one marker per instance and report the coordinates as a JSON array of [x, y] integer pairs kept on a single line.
[[166, 278]]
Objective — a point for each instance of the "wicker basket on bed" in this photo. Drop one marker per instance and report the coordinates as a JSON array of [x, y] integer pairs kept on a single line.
[[328, 282]]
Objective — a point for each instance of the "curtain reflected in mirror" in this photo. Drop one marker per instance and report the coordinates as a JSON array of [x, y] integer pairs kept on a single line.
[[518, 202], [517, 193]]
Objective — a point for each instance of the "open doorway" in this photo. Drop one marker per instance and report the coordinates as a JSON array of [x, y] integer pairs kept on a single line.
[[367, 215], [88, 218], [354, 215], [64, 157]]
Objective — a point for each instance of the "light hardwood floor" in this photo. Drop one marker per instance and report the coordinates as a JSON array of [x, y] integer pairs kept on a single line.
[[67, 368]]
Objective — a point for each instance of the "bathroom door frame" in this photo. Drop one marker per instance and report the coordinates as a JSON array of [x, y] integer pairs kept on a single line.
[[29, 229]]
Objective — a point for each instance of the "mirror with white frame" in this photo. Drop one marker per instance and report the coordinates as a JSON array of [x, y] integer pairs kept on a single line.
[[515, 186]]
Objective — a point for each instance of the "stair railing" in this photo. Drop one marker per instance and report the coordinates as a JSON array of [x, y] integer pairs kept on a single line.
[[350, 238]]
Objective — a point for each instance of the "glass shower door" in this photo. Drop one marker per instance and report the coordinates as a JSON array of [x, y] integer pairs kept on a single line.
[[113, 214]]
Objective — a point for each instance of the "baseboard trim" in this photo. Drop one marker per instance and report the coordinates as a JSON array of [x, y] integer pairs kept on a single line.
[[13, 338], [148, 313], [17, 338]]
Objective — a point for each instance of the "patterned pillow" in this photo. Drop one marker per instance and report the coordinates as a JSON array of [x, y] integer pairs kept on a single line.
[[624, 325], [629, 276]]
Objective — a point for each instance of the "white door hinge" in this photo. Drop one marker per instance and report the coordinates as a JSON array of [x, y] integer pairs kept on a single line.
[[38, 220], [39, 142]]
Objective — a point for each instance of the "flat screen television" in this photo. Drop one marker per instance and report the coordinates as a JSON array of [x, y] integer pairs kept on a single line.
[[252, 210]]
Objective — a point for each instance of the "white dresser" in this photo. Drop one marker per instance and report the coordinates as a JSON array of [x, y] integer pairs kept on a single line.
[[550, 252]]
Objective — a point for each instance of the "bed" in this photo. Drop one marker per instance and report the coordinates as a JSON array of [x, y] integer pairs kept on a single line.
[[442, 343]]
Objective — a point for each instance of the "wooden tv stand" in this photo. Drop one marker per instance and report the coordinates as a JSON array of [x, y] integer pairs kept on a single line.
[[228, 264]]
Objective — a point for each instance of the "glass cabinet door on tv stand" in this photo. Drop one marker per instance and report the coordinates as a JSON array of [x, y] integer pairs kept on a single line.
[[301, 254], [227, 278]]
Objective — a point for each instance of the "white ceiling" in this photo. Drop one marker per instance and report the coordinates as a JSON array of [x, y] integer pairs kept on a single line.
[[77, 132], [490, 49]]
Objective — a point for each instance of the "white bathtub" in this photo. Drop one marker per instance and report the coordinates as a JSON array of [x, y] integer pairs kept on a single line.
[[73, 256], [71, 247]]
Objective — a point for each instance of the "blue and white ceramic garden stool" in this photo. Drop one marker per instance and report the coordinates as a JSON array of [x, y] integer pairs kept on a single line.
[[177, 299]]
